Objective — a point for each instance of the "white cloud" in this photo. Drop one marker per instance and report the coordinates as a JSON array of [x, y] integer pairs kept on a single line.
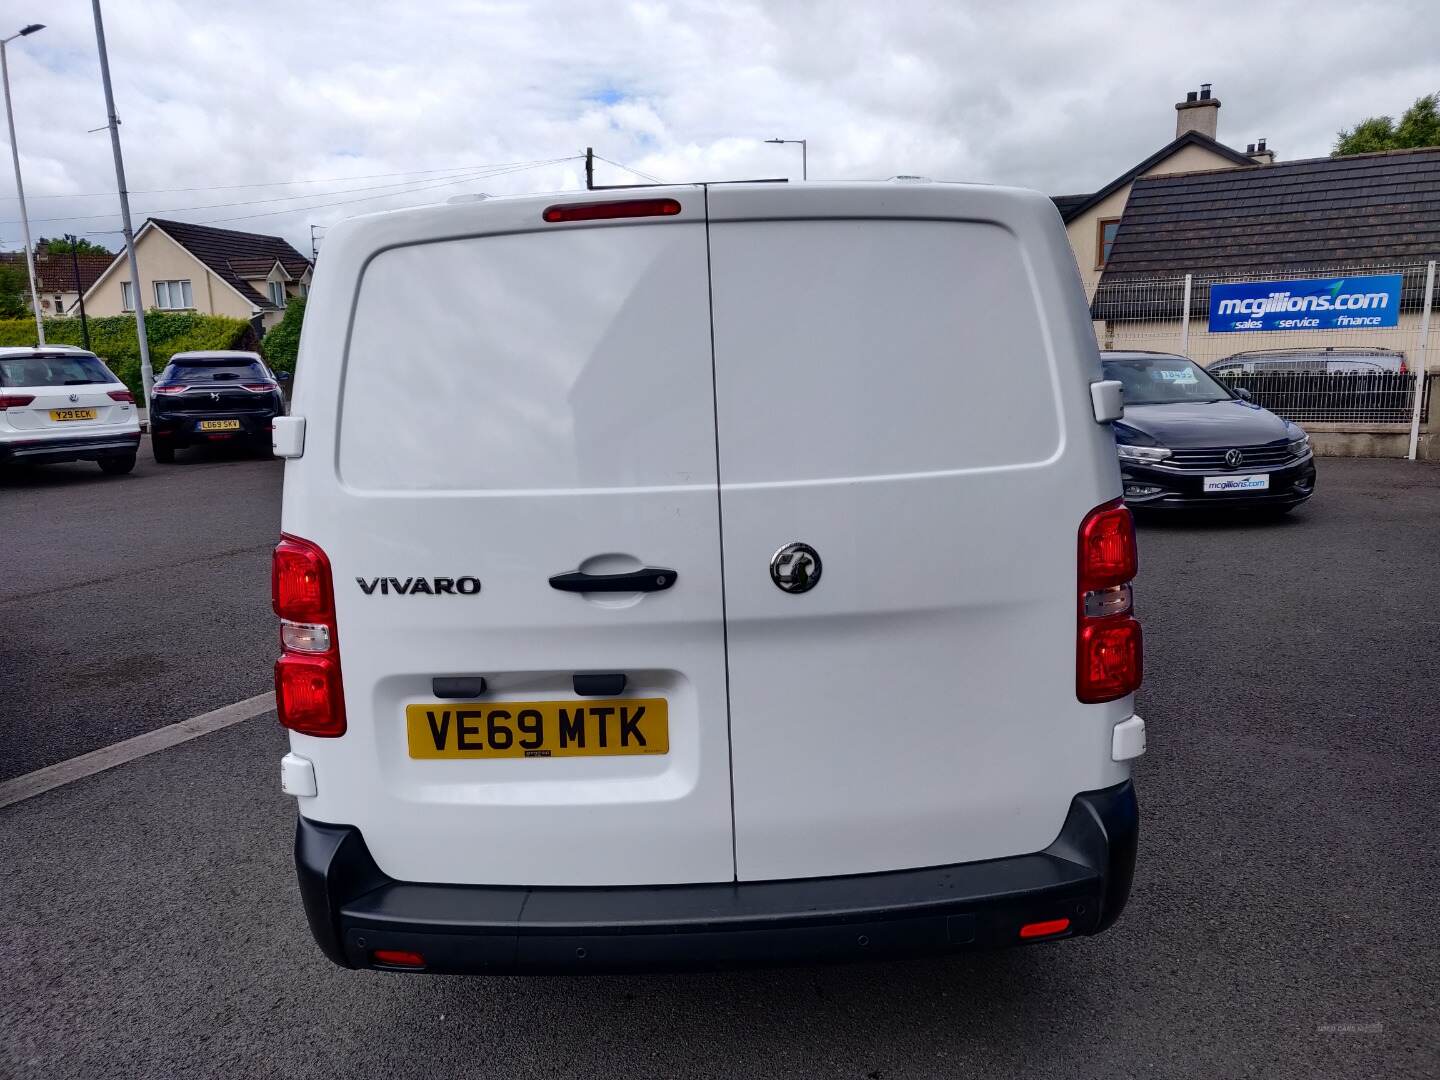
[[1059, 97]]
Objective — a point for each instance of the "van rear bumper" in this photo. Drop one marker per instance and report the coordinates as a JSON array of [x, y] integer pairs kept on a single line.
[[355, 910]]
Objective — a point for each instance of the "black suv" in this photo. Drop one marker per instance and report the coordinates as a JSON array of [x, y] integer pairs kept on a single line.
[[213, 397]]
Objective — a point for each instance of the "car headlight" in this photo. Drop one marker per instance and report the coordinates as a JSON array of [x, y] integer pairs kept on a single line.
[[1142, 455], [1299, 447]]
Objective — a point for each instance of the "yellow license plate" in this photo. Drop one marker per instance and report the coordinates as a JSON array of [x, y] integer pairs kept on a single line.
[[219, 425], [604, 727], [73, 414]]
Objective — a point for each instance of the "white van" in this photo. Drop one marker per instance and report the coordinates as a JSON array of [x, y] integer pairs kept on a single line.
[[697, 576]]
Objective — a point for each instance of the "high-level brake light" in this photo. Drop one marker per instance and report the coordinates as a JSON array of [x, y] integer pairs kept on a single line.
[[1108, 648], [627, 208]]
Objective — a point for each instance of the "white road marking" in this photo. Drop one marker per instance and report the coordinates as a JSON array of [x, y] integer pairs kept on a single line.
[[107, 757]]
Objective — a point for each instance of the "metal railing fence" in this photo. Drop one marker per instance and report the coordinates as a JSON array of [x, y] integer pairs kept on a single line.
[[1369, 375]]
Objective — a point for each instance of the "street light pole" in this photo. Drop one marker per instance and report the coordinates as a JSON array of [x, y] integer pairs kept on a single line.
[[147, 374], [804, 154], [19, 187]]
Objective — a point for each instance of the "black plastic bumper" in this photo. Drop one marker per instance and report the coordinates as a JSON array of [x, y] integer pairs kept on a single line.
[[184, 431], [1289, 486], [355, 910], [85, 448]]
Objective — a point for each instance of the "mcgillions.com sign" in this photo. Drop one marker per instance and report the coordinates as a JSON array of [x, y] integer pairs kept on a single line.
[[1306, 304]]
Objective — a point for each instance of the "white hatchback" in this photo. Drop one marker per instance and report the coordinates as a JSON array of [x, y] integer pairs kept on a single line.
[[707, 575], [59, 403]]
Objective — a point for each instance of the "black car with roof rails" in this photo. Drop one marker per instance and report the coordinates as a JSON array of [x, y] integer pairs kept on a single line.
[[214, 397], [1188, 441]]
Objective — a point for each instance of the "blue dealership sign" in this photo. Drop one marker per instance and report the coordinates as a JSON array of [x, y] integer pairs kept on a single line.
[[1307, 304]]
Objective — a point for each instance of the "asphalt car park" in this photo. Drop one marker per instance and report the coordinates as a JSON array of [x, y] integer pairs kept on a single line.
[[1280, 923]]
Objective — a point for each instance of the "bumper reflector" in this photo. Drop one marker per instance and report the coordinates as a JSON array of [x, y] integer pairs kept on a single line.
[[1048, 928]]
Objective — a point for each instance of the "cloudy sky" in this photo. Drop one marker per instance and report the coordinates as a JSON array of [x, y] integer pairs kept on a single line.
[[380, 105]]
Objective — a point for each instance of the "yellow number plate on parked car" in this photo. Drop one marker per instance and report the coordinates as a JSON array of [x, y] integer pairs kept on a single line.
[[511, 729], [219, 425], [73, 414]]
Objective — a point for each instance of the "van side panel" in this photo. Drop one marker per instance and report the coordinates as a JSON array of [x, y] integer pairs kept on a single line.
[[902, 383], [492, 397]]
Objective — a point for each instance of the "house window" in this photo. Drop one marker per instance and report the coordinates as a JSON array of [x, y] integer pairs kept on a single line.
[[59, 305], [173, 295], [304, 289], [127, 297], [1105, 240], [277, 293]]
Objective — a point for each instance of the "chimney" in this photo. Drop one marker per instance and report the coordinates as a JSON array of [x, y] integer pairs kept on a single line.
[[1258, 153], [1198, 112]]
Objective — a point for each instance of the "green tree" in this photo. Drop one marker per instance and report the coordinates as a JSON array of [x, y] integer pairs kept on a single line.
[[58, 245], [1420, 126], [282, 342], [15, 295]]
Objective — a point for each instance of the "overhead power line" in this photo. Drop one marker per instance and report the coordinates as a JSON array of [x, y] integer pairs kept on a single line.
[[283, 183], [414, 187], [627, 168], [400, 187]]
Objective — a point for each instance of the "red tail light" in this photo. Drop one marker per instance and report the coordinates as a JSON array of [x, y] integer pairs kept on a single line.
[[300, 588], [169, 389], [309, 695], [624, 209], [259, 387], [123, 395], [1109, 652], [9, 400], [1107, 547]]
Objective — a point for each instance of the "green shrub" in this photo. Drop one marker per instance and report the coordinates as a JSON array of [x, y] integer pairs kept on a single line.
[[282, 342], [113, 338]]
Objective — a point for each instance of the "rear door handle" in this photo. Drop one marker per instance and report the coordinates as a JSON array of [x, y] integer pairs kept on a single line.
[[650, 579]]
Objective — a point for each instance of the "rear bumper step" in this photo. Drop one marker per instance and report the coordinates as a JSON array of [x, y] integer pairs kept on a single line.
[[355, 910]]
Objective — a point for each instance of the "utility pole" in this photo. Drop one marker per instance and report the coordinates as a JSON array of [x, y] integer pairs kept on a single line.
[[79, 287], [19, 187], [147, 374], [589, 168]]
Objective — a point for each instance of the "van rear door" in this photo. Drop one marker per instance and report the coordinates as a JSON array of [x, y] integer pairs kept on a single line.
[[522, 400], [901, 384]]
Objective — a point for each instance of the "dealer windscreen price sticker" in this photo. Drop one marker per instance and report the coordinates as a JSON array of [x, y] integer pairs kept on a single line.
[[1306, 304]]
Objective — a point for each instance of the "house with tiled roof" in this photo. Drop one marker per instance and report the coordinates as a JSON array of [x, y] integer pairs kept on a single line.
[[1092, 220], [57, 282], [185, 267]]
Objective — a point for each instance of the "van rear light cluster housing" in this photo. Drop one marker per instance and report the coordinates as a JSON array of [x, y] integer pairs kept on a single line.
[[309, 694], [1109, 649]]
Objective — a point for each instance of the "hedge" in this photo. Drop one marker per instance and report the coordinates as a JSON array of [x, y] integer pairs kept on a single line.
[[282, 341], [113, 338]]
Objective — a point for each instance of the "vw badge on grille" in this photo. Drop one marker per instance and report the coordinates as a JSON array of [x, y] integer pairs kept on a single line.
[[1233, 458], [74, 397], [795, 568]]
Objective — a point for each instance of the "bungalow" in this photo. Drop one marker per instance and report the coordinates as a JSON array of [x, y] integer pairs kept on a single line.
[[185, 267]]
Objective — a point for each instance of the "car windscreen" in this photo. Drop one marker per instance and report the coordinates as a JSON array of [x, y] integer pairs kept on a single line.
[[74, 370], [1164, 380], [188, 371]]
